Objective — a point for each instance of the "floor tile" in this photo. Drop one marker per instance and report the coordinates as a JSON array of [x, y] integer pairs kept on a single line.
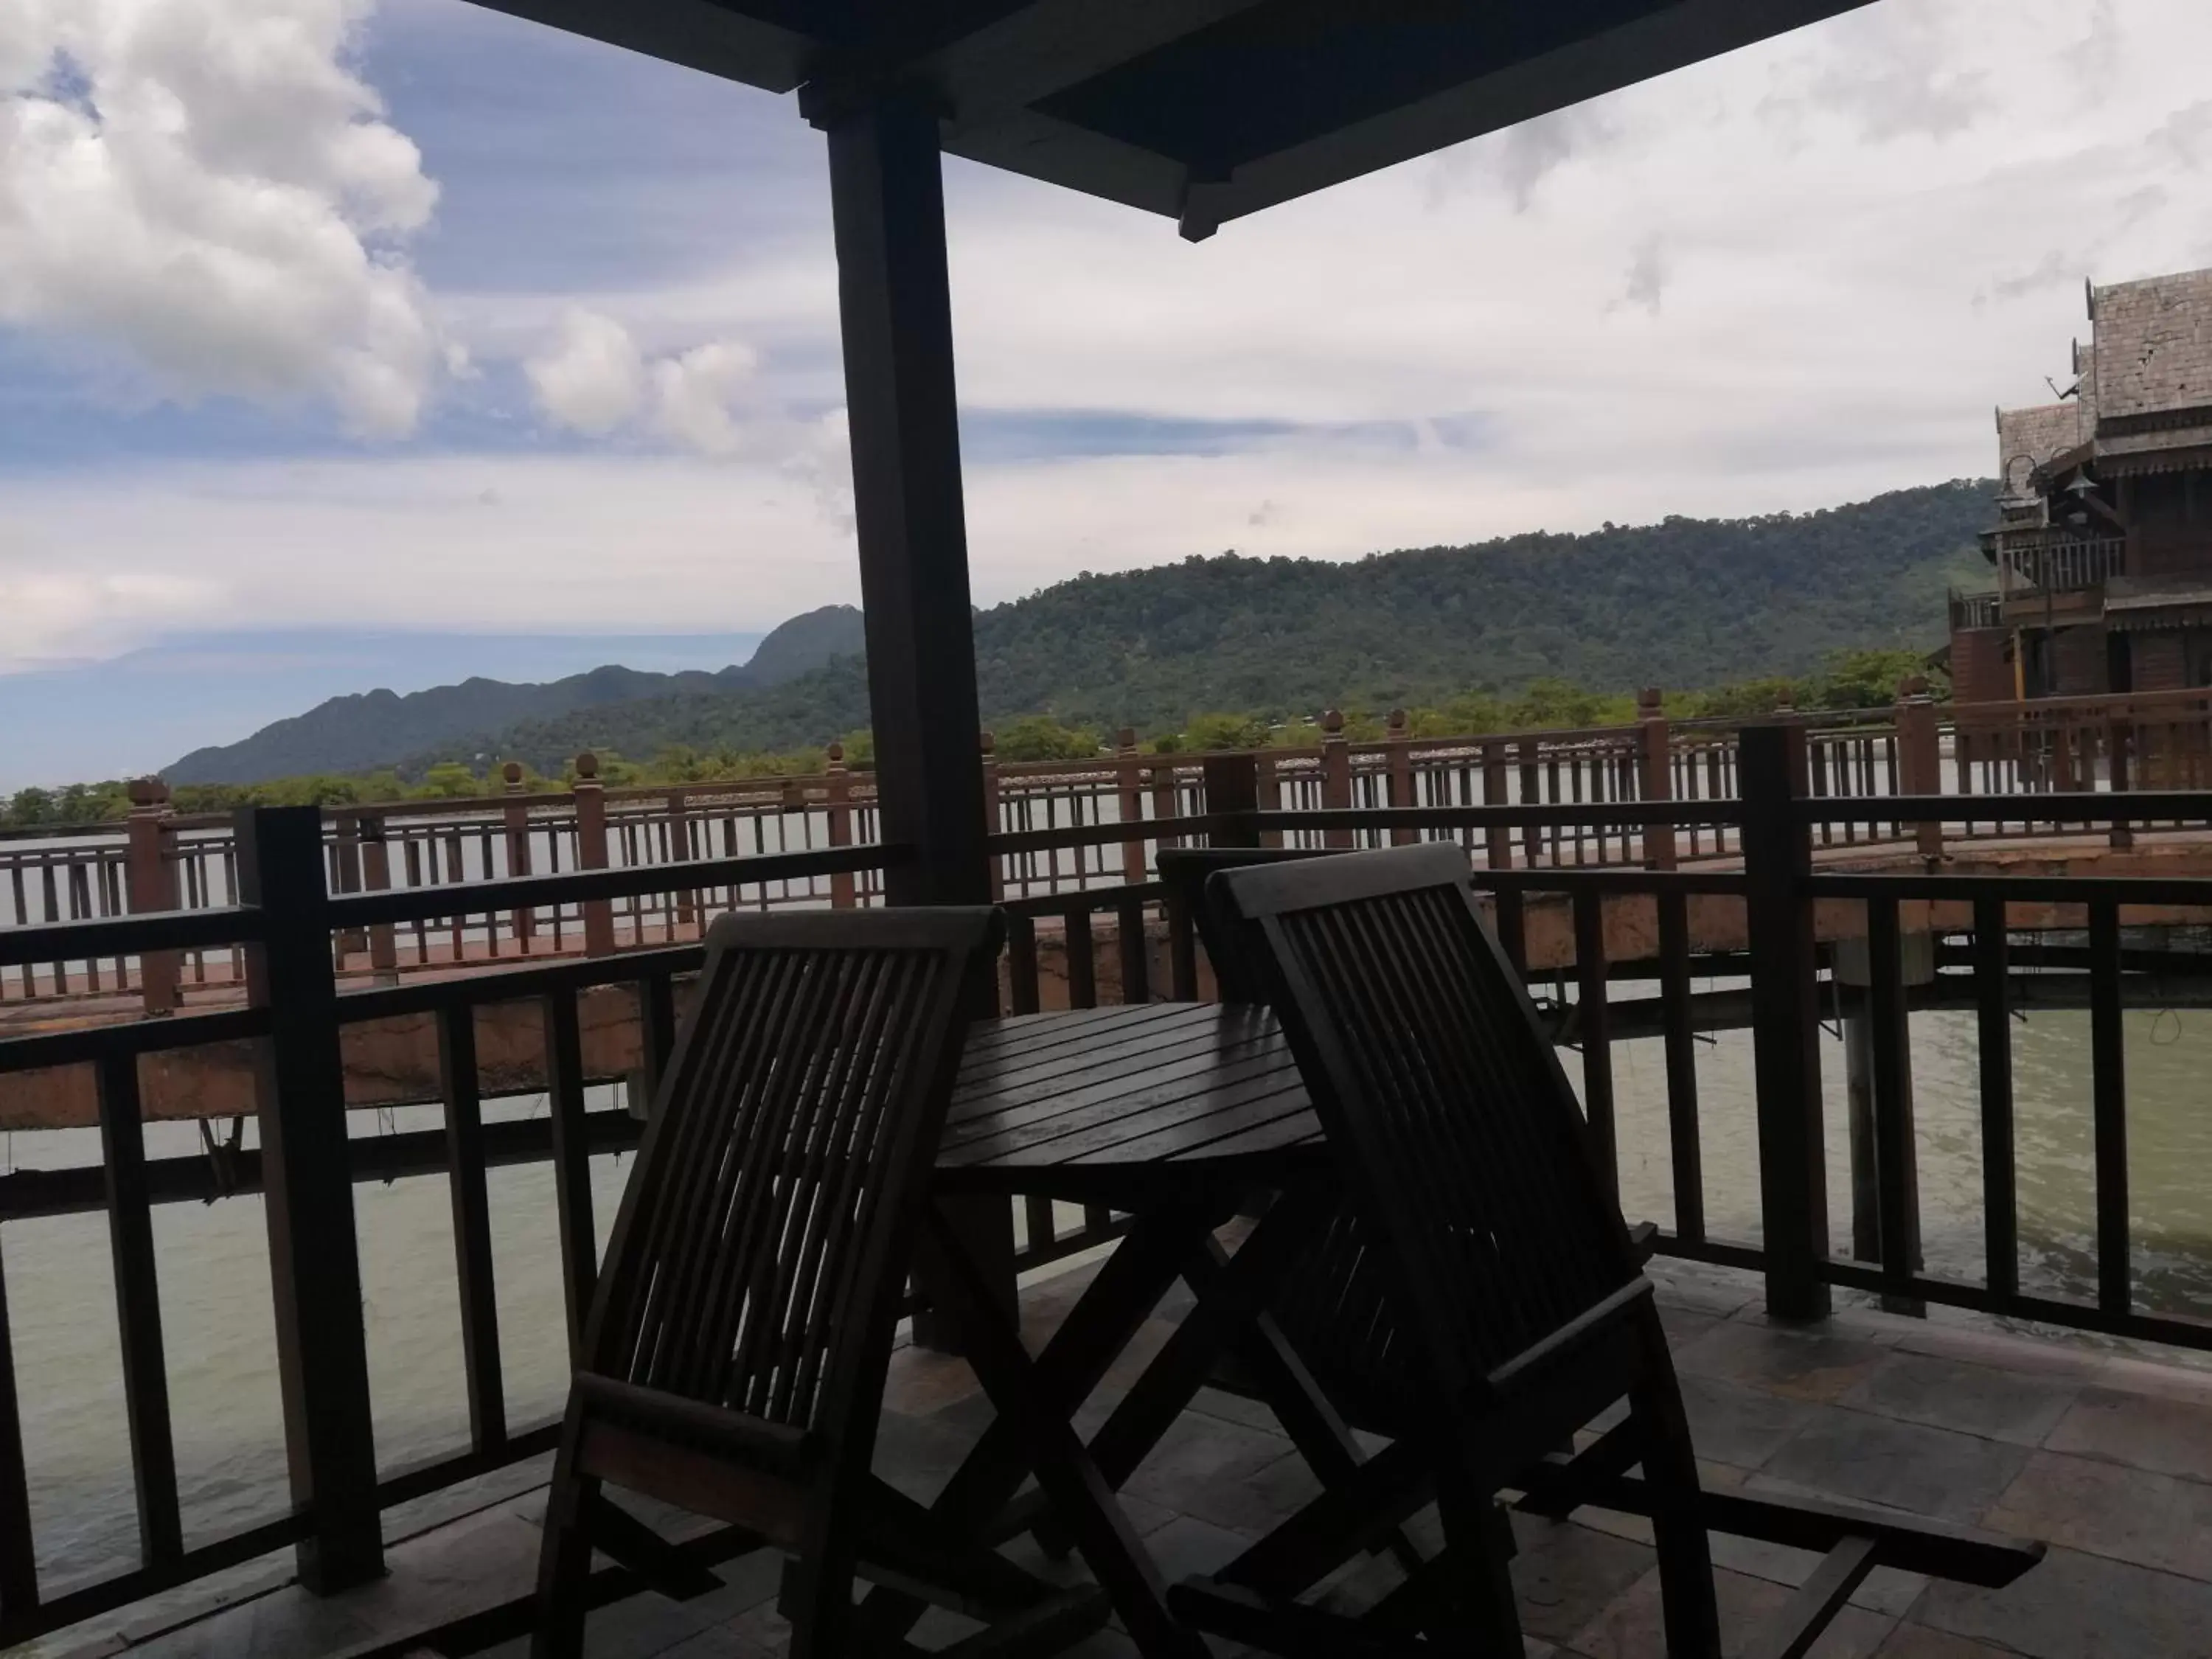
[[1948, 1393], [1734, 1424], [2080, 1606], [1199, 1459], [1908, 1466], [1566, 1574], [1795, 1364], [2166, 1435], [1632, 1627], [2107, 1508], [1911, 1641]]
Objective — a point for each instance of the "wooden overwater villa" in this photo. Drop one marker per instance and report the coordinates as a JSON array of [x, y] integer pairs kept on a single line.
[[1273, 1293]]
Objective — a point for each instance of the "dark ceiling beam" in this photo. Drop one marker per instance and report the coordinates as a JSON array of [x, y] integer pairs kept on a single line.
[[1049, 45], [1058, 152], [1667, 39], [770, 44]]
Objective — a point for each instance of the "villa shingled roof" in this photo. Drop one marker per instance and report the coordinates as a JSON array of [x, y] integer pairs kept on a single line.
[[2031, 437], [2153, 349]]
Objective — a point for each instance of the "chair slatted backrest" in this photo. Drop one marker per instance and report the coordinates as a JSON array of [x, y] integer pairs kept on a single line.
[[1464, 1144], [760, 1250], [1185, 871]]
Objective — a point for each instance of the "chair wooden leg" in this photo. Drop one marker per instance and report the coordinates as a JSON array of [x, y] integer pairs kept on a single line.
[[564, 1556], [817, 1592], [1677, 1525], [1479, 1534]]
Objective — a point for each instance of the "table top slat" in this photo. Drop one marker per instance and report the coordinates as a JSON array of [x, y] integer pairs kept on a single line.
[[1120, 1099]]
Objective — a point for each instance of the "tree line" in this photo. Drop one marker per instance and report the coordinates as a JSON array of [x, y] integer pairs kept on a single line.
[[1849, 679]]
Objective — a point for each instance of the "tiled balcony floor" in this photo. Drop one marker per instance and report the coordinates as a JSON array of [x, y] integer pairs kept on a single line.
[[2107, 1455]]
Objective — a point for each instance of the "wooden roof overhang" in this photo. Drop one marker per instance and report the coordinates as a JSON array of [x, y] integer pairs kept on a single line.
[[1203, 110]]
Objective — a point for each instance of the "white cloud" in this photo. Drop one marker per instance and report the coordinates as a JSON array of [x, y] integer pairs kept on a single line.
[[204, 186], [1845, 245], [697, 395], [591, 379]]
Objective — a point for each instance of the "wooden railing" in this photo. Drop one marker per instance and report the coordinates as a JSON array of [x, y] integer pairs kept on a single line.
[[290, 920], [2059, 564]]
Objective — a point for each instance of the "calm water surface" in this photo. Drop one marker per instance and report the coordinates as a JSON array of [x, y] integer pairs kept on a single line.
[[214, 1278]]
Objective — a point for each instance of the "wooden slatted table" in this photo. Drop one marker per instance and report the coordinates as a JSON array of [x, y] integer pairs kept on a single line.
[[1128, 1106], [1175, 1114]]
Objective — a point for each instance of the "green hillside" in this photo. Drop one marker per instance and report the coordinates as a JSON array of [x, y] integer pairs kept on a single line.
[[375, 729], [1683, 602]]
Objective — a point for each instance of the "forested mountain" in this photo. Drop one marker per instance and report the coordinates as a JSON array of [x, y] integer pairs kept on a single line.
[[375, 729], [1681, 604], [1685, 602]]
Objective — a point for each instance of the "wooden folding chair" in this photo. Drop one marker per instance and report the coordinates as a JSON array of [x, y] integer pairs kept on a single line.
[[733, 1362], [1486, 1301]]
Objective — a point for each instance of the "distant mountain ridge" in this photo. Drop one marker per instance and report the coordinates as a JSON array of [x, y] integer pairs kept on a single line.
[[373, 729], [1685, 604]]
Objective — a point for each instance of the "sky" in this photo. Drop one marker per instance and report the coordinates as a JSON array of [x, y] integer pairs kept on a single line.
[[323, 323]]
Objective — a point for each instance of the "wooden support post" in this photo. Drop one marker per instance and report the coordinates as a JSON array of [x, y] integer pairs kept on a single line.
[[1268, 787], [895, 303], [345, 853], [1920, 757], [517, 812], [1496, 838], [1786, 1020], [153, 886], [591, 854], [1336, 776], [837, 790], [685, 914], [1397, 763], [376, 877], [1129, 799], [1655, 773], [1233, 786], [887, 201], [993, 812], [314, 1266], [2120, 742]]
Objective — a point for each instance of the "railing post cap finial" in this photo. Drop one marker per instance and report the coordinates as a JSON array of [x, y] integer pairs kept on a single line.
[[1332, 721], [1397, 722], [834, 755], [990, 743], [1648, 701], [148, 792], [1913, 685], [1785, 703], [1126, 740], [511, 772], [587, 768]]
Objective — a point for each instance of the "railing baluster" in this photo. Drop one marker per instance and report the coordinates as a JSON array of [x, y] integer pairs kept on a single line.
[[656, 995], [19, 1561], [571, 1172], [1037, 1219], [1512, 920], [472, 1260], [1082, 962], [138, 1310], [1685, 1141], [2109, 1100], [2000, 1201], [1136, 951], [1022, 964], [1897, 1174], [1594, 1020]]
